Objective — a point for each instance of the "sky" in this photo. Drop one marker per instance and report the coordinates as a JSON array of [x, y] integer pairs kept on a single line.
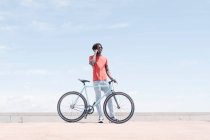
[[158, 51]]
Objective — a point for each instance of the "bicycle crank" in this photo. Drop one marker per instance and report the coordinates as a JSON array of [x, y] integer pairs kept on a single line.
[[90, 109]]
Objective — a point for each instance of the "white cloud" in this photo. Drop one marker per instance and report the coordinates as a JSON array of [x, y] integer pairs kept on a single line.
[[77, 27], [28, 103], [134, 93], [119, 26], [40, 72], [1, 18], [2, 47], [67, 25], [42, 26], [28, 3], [32, 72], [87, 69], [62, 3], [7, 28], [189, 62], [71, 72], [85, 27], [46, 3]]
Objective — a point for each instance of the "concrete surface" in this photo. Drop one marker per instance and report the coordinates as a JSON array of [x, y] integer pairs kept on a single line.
[[53, 117], [139, 130]]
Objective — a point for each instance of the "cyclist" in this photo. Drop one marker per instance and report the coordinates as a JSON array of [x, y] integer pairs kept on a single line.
[[100, 67]]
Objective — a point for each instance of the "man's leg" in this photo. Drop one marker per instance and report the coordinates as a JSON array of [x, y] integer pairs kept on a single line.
[[98, 96], [110, 105]]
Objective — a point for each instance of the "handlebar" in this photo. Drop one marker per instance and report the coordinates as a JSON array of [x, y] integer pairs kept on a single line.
[[112, 81]]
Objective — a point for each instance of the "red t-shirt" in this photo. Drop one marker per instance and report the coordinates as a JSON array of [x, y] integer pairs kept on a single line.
[[99, 68]]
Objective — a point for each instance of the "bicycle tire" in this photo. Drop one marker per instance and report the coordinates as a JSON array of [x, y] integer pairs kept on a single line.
[[119, 117], [80, 98]]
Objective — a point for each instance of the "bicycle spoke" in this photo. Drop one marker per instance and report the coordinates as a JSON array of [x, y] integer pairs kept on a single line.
[[71, 106], [123, 108], [78, 110]]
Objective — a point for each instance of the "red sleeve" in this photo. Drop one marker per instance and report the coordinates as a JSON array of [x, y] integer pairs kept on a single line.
[[90, 58]]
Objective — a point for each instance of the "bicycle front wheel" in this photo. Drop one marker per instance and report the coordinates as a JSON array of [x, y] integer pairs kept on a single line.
[[118, 107], [71, 106]]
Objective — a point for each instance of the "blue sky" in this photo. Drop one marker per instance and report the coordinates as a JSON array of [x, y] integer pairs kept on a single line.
[[158, 50]]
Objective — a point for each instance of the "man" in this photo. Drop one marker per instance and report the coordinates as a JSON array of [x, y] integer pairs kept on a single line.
[[100, 73]]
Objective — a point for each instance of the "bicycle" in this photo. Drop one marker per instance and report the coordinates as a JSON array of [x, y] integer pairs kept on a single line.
[[73, 106]]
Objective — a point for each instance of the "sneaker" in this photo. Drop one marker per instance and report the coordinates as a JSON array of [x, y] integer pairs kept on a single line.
[[100, 120], [114, 119]]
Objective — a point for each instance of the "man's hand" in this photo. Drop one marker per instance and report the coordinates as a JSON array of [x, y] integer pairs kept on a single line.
[[93, 61], [115, 81], [95, 51]]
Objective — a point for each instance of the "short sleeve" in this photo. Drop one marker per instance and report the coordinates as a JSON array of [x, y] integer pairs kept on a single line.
[[90, 58]]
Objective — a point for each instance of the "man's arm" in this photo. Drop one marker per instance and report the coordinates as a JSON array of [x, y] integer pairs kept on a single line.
[[93, 61], [109, 74]]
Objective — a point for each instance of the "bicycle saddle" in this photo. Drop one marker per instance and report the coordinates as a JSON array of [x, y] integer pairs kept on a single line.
[[83, 81]]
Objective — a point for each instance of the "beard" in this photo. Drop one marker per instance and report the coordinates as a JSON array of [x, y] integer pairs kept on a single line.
[[98, 53]]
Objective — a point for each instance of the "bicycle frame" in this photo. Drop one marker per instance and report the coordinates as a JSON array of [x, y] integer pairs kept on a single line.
[[84, 89]]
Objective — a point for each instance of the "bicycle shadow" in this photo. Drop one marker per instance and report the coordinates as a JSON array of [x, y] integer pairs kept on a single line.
[[87, 122]]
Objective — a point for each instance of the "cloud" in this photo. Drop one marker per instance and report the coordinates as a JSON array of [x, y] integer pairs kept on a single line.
[[42, 26], [31, 72], [7, 28], [134, 93], [3, 47], [87, 69], [1, 18], [28, 3], [75, 27], [62, 3], [28, 103], [119, 26], [85, 27], [40, 72], [46, 3], [189, 62]]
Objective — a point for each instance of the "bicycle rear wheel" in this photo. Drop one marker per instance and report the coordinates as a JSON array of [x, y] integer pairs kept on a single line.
[[122, 106], [71, 106]]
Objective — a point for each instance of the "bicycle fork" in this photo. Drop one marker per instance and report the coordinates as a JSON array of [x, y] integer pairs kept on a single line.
[[118, 106]]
